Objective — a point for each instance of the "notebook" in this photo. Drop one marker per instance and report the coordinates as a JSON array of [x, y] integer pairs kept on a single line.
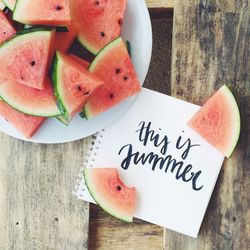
[[173, 169]]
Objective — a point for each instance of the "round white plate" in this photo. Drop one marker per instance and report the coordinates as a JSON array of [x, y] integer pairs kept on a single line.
[[137, 30]]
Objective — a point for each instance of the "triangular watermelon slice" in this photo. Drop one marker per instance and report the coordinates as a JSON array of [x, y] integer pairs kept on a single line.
[[10, 4], [110, 193], [114, 66], [26, 57], [73, 85], [30, 100], [40, 12], [26, 124], [218, 121], [100, 21], [6, 29]]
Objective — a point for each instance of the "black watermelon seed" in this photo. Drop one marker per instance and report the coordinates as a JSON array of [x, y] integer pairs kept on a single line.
[[32, 63], [119, 188], [102, 34], [22, 77], [58, 7], [4, 33], [125, 78], [118, 71], [97, 2], [111, 96], [120, 21], [79, 88], [86, 92]]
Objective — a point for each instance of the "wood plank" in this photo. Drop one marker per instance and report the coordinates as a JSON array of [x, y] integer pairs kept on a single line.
[[37, 209], [160, 3], [211, 46]]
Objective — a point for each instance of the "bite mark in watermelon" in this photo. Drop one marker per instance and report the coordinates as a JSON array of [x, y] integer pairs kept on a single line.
[[10, 4], [26, 124], [29, 100], [110, 193], [73, 85], [218, 121], [28, 57], [6, 29], [114, 66], [40, 12], [100, 22]]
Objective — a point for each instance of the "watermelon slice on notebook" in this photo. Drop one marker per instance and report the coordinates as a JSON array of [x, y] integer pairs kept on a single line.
[[40, 12], [6, 29], [26, 124], [100, 22], [28, 56], [114, 66], [73, 85], [218, 121]]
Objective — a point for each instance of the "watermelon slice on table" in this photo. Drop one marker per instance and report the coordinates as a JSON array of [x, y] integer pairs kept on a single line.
[[100, 21], [26, 124], [6, 29], [10, 4], [73, 85], [28, 56], [40, 12], [218, 121], [80, 60], [110, 193], [114, 66], [29, 100]]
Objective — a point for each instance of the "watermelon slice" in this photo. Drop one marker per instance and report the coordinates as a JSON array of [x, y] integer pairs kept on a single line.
[[114, 66], [65, 39], [28, 57], [6, 29], [100, 21], [10, 4], [110, 193], [30, 100], [73, 85], [40, 12], [26, 124], [218, 121]]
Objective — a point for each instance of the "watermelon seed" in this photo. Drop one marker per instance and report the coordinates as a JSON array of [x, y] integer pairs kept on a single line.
[[79, 88], [102, 34], [86, 93], [111, 96], [118, 71], [125, 78], [32, 63], [120, 21], [119, 188], [58, 7], [97, 2], [4, 33]]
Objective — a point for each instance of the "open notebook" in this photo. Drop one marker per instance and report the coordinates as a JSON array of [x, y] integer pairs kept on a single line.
[[173, 169]]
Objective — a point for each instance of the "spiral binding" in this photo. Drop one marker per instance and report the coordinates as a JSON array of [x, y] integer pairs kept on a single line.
[[79, 184]]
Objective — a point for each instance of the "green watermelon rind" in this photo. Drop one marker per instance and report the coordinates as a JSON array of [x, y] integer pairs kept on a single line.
[[100, 202], [2, 5], [63, 120], [55, 82], [237, 122], [87, 45], [7, 4]]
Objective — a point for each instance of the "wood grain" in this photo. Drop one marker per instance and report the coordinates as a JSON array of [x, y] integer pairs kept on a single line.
[[38, 210], [160, 3], [211, 47]]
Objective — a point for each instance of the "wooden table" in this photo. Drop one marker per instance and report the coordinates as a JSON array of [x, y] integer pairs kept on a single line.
[[211, 46]]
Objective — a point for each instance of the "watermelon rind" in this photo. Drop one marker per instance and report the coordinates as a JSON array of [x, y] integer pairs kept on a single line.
[[7, 3], [237, 123], [2, 5], [101, 202]]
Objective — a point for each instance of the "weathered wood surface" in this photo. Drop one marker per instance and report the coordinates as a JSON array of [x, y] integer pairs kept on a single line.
[[211, 46], [160, 3], [37, 209]]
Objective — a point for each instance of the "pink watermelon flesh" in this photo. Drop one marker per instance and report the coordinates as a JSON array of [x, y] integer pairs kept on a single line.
[[80, 60], [6, 29], [30, 100], [110, 193], [114, 66], [26, 124], [218, 121], [40, 12], [65, 39], [100, 21], [10, 4], [28, 58], [73, 84]]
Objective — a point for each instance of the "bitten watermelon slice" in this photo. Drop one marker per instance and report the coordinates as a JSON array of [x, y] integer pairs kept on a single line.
[[218, 121], [110, 193], [27, 57], [41, 12], [10, 4], [29, 100], [100, 21], [73, 85], [6, 29], [114, 66], [26, 124]]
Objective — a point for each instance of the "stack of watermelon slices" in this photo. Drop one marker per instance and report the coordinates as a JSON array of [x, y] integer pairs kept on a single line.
[[40, 79]]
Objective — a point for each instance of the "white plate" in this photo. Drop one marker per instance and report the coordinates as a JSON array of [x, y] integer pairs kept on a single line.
[[137, 30]]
